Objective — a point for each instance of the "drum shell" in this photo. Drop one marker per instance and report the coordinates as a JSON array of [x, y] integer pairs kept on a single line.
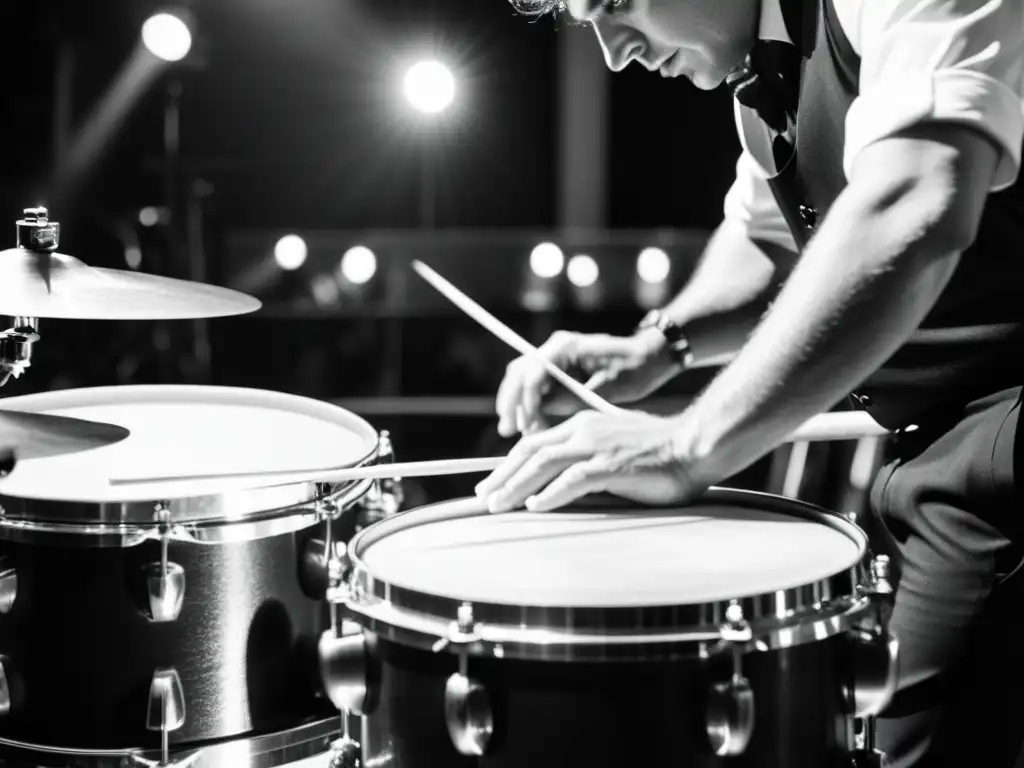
[[609, 714], [82, 651]]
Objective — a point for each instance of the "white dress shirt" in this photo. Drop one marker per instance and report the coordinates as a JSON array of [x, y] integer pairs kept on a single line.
[[922, 61]]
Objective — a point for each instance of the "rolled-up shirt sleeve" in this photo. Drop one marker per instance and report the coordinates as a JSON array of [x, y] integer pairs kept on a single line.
[[750, 204], [959, 61]]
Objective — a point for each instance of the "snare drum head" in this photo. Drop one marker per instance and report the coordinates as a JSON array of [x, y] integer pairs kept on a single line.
[[186, 430], [611, 557]]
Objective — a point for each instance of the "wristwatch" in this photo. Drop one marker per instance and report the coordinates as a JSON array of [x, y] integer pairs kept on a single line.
[[674, 334]]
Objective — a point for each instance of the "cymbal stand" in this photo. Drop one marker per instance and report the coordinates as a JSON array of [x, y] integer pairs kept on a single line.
[[36, 233]]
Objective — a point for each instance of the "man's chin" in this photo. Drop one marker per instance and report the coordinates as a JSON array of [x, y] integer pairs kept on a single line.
[[707, 81]]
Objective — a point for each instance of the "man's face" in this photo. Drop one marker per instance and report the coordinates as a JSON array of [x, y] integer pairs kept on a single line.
[[703, 40]]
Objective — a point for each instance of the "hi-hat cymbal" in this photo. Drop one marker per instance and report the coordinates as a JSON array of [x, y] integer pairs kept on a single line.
[[34, 284], [38, 435]]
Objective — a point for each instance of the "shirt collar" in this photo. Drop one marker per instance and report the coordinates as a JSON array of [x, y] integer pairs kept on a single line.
[[771, 25]]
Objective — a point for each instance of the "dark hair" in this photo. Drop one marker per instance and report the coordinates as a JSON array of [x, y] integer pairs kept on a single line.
[[537, 7]]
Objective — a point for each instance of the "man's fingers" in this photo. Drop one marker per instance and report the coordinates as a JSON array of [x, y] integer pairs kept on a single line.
[[534, 474], [519, 455], [578, 480]]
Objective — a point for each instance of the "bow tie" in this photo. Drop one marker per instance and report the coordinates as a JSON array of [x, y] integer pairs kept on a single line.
[[769, 83]]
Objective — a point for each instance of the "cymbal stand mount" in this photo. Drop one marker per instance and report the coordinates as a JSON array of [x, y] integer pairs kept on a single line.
[[36, 233]]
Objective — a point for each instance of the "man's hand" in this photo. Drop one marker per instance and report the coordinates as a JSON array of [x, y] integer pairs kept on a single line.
[[631, 366], [631, 454]]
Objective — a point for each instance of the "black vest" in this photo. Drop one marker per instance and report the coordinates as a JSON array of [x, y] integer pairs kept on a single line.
[[972, 342]]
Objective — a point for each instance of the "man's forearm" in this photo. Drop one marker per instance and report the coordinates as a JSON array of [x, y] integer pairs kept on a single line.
[[865, 283], [882, 257], [733, 272], [729, 291]]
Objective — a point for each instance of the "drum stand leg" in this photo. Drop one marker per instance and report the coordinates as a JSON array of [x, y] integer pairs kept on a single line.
[[864, 754]]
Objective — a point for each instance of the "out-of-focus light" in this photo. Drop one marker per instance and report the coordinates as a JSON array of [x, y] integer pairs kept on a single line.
[[653, 265], [358, 265], [167, 36], [547, 260], [325, 290], [290, 252], [149, 216], [582, 271], [133, 256], [429, 86]]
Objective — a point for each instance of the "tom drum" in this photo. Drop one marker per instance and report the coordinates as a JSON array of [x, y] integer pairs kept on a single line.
[[740, 630], [150, 620]]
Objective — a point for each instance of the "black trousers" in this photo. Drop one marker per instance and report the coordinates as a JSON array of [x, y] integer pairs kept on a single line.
[[952, 500]]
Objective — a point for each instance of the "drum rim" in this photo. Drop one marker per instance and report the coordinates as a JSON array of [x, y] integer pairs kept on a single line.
[[276, 748], [784, 618], [24, 517]]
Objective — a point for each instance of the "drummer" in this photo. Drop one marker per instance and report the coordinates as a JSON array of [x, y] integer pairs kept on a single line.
[[900, 154]]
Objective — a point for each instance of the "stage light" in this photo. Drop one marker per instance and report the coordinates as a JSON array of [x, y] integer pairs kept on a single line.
[[149, 216], [133, 256], [653, 265], [290, 252], [325, 291], [547, 260], [582, 271], [429, 86], [167, 36], [358, 265]]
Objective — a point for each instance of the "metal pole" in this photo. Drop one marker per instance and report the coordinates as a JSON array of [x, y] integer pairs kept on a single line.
[[583, 85]]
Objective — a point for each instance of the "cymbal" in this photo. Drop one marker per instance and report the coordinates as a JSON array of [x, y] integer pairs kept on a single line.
[[56, 285], [38, 435]]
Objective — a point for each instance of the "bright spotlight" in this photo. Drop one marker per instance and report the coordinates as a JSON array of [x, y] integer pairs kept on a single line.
[[547, 260], [582, 271], [653, 265], [290, 252], [429, 86], [358, 265], [167, 36]]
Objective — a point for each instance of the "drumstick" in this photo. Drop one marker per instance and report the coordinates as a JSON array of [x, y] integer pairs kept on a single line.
[[852, 425], [510, 337], [335, 474]]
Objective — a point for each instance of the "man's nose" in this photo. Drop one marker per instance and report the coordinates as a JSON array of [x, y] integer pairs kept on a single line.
[[620, 45]]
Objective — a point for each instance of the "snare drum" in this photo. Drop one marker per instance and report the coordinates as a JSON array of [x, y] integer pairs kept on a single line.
[[740, 630], [176, 613]]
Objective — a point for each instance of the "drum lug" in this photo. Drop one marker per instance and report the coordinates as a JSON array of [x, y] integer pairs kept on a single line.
[[8, 588], [875, 663], [346, 671], [10, 687], [166, 711], [468, 712], [165, 580], [730, 713], [324, 567]]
